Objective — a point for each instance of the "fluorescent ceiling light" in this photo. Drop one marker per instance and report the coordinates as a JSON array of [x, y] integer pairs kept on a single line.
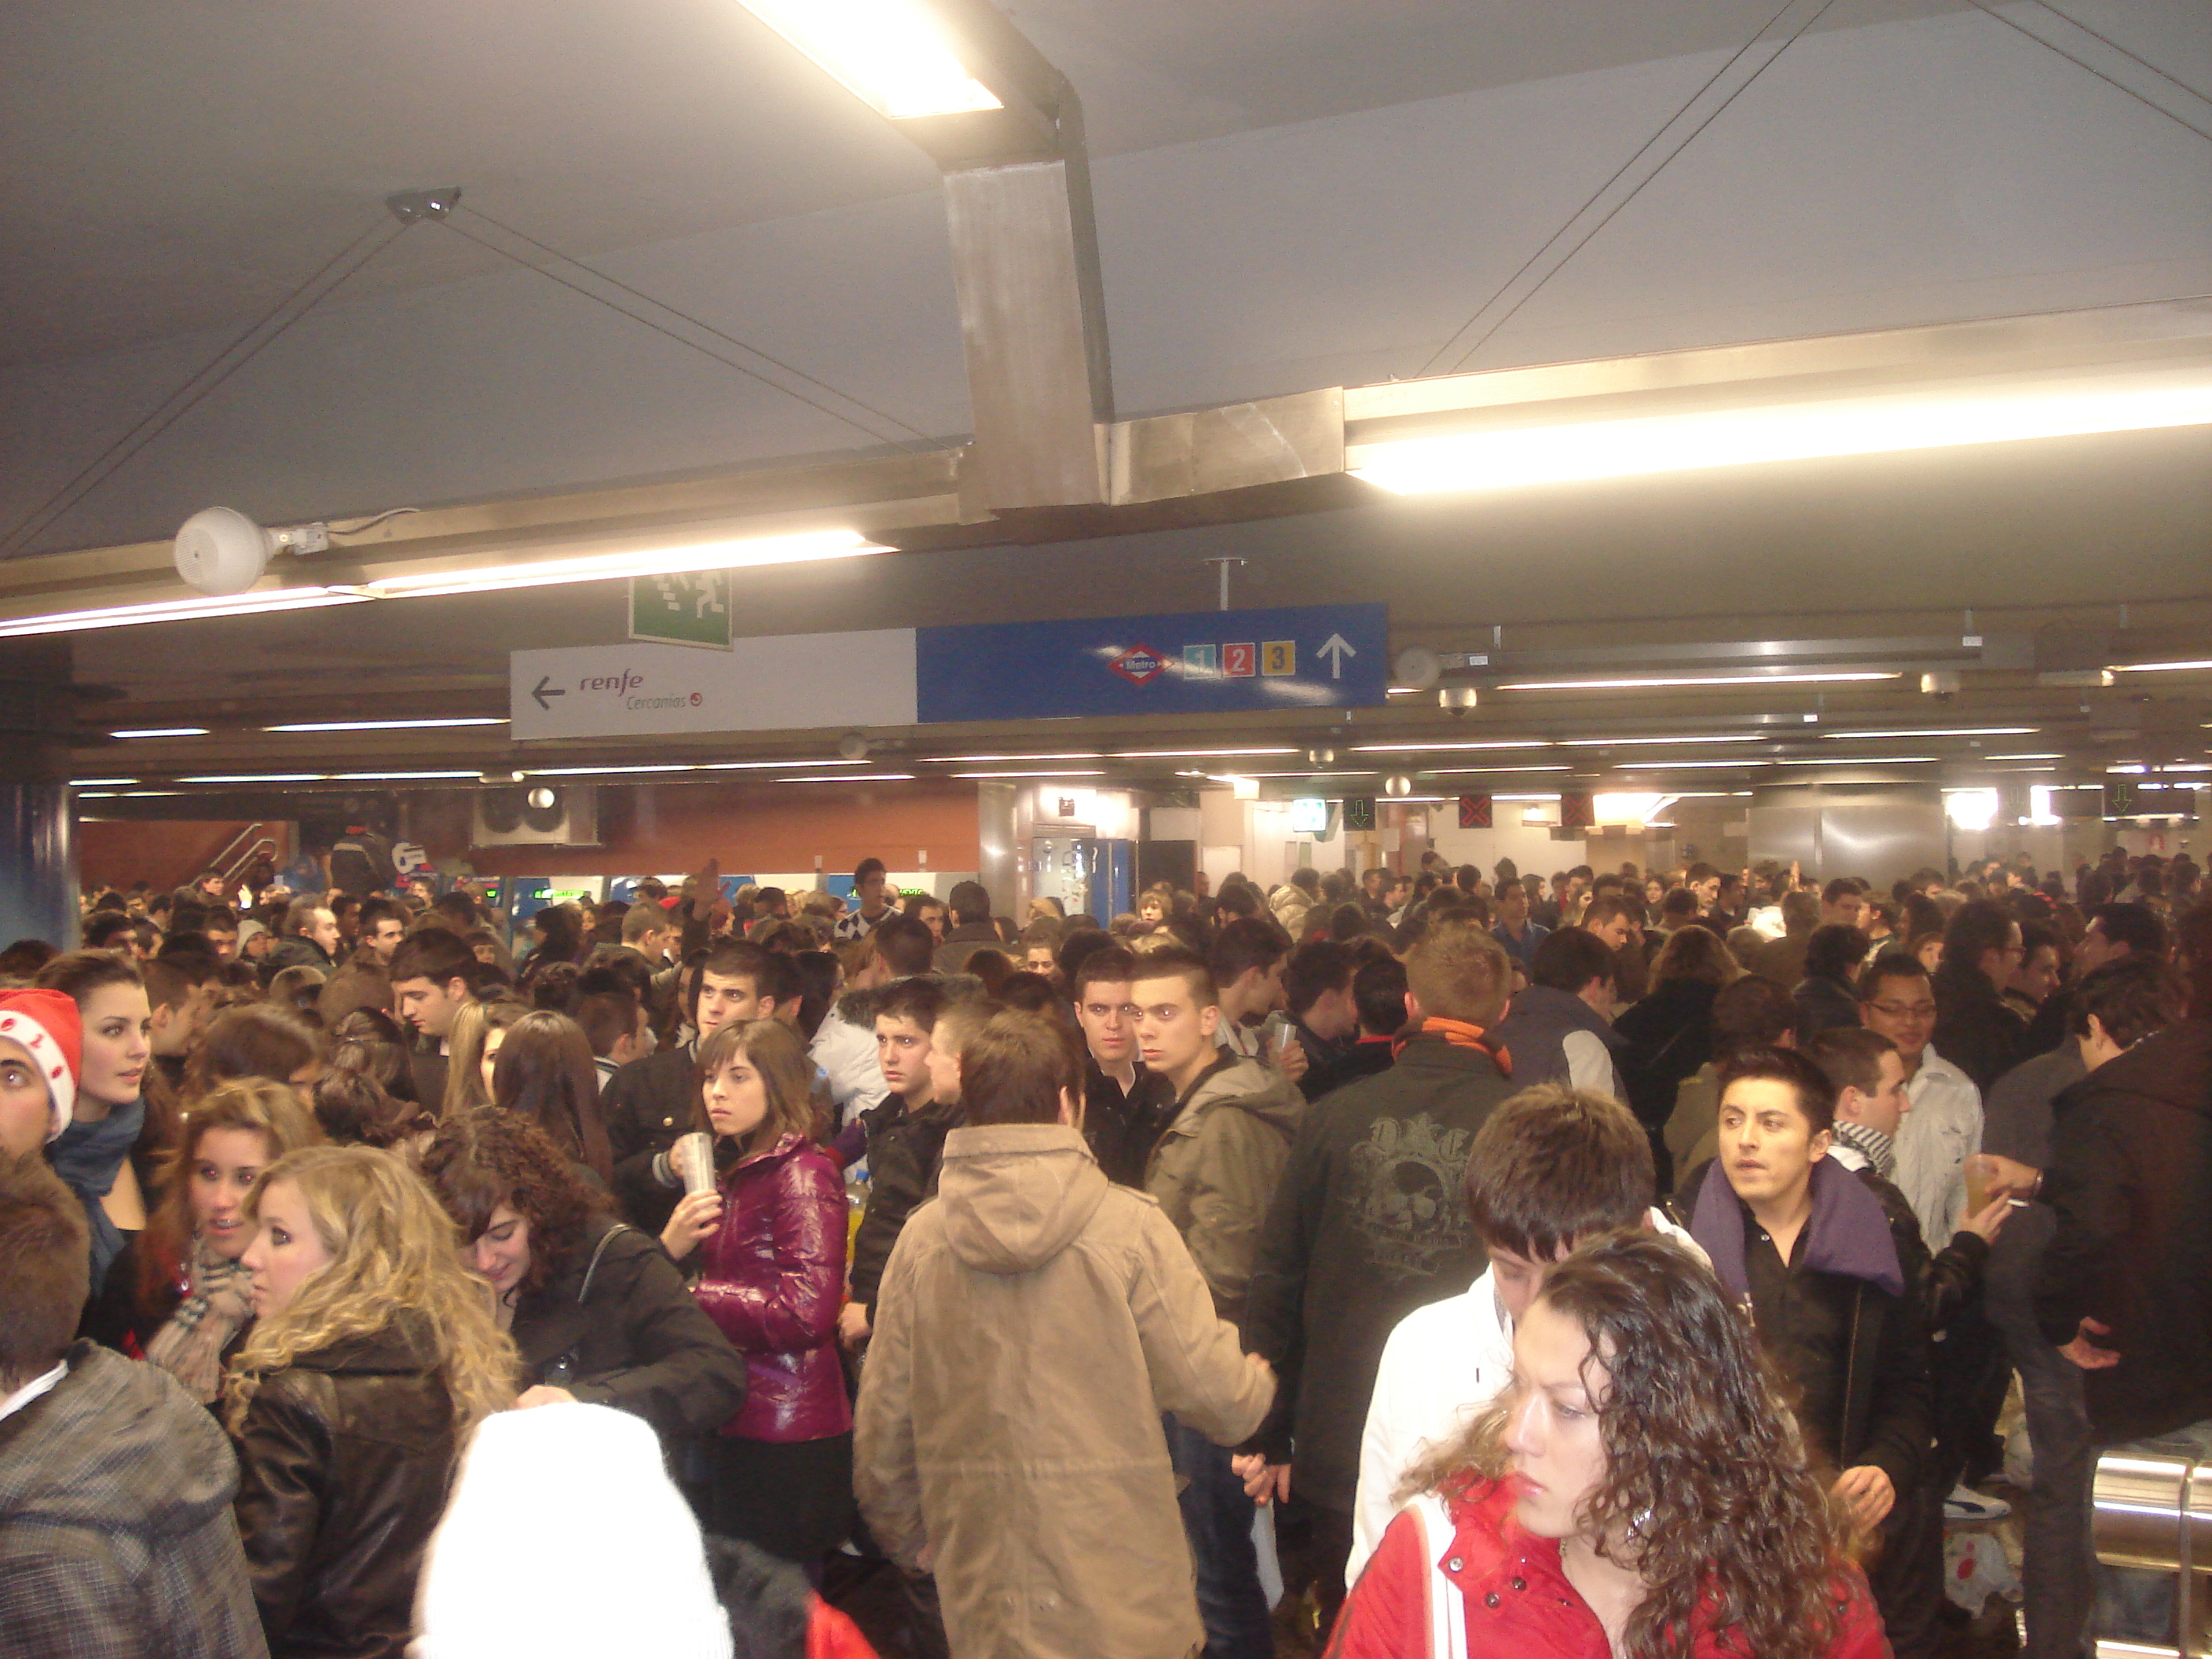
[[97, 783], [854, 777], [1190, 754], [2011, 757], [763, 766], [2160, 668], [1483, 771], [386, 725], [892, 54], [1657, 683], [1524, 798], [1092, 772], [1509, 457], [399, 777], [1944, 732], [747, 553], [974, 760], [1854, 760], [163, 731], [606, 771], [258, 777], [127, 616], [1610, 742], [1419, 748]]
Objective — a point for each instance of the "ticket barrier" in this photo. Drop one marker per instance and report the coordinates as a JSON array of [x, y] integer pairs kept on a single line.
[[2153, 1512]]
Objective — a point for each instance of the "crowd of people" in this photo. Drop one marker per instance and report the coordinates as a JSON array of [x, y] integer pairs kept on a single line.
[[1616, 1263]]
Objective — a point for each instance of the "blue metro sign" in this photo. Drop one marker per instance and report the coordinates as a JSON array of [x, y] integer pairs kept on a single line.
[[1188, 663]]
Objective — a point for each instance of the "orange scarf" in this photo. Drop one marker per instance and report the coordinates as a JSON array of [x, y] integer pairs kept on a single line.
[[1461, 1034]]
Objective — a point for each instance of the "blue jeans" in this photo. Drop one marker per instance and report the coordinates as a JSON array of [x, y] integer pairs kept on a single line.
[[1217, 1518]]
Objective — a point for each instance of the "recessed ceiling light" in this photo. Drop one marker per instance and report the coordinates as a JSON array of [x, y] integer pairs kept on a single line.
[[1420, 748], [977, 760], [163, 731], [1190, 754], [1943, 731]]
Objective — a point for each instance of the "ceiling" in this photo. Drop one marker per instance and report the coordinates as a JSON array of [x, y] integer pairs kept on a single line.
[[182, 165]]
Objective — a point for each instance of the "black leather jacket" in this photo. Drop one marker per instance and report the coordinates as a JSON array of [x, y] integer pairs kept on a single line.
[[626, 1333], [344, 1459]]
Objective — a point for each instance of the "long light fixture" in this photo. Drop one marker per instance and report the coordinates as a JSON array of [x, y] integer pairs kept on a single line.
[[1422, 748], [1943, 731], [1071, 772], [1854, 760], [1191, 754], [854, 777], [743, 554], [331, 777], [807, 547], [272, 600], [1661, 682], [388, 725], [2161, 667], [892, 54], [163, 731], [982, 760], [1512, 457], [98, 783], [1625, 743]]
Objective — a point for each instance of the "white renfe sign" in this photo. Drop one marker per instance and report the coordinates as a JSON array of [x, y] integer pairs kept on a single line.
[[784, 682]]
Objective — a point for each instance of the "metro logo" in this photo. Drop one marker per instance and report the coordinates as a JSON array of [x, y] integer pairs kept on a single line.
[[1140, 664]]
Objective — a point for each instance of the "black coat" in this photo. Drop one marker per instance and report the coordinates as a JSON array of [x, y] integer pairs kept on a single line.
[[1824, 1003], [2130, 1184], [1368, 1222], [647, 1106], [904, 1151], [1879, 1342], [1974, 1029], [344, 1460], [1122, 1129], [1670, 1035], [616, 1326]]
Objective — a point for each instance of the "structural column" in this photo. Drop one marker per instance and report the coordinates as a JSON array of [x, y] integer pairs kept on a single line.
[[37, 840]]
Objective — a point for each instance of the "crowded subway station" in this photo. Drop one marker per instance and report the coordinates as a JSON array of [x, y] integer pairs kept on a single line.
[[913, 828]]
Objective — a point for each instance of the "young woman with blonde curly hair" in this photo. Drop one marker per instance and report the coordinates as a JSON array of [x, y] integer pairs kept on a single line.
[[374, 1354], [1639, 1493]]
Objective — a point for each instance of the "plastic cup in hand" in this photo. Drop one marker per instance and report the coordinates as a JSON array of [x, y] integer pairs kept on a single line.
[[1978, 1170], [694, 1157]]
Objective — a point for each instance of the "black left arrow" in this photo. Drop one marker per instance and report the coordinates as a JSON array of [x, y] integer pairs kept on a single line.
[[545, 689]]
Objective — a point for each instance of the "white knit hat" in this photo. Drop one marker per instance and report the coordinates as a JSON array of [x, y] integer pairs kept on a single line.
[[565, 1539]]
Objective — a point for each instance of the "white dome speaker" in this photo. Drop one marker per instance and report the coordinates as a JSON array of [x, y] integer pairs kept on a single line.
[[220, 551]]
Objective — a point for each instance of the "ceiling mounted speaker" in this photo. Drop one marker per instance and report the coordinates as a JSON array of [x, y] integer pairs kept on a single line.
[[1416, 667], [220, 551]]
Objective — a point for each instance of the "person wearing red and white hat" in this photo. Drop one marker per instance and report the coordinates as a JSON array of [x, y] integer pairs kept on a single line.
[[41, 1051]]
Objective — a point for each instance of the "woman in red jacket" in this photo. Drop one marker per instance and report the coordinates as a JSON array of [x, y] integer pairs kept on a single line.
[[1639, 1493], [771, 1235]]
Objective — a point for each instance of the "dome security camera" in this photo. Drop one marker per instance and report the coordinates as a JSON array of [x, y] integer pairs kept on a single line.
[[220, 551], [854, 746]]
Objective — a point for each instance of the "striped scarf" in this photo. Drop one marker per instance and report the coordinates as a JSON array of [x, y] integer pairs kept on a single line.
[[214, 1310]]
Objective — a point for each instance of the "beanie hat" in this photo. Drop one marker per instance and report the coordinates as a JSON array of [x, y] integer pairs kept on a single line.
[[45, 1023], [524, 1562]]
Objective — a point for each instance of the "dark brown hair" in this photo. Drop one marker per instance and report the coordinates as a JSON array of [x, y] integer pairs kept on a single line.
[[1553, 1165], [543, 1071], [1849, 1057], [774, 1051], [1013, 1070], [1816, 1100], [487, 1157], [45, 1261], [1706, 1480], [255, 1040]]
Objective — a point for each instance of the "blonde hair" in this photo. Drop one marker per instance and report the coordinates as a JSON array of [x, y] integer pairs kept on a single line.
[[465, 1047], [392, 1250], [777, 1054]]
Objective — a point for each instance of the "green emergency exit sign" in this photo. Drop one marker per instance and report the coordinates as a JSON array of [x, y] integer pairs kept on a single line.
[[692, 609]]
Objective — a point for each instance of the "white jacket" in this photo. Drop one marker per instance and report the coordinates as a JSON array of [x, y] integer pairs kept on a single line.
[[1441, 1367]]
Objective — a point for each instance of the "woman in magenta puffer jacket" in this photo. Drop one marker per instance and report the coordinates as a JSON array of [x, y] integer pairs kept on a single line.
[[771, 1236]]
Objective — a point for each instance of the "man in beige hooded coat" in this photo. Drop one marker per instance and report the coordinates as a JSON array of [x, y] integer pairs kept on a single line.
[[1033, 1322]]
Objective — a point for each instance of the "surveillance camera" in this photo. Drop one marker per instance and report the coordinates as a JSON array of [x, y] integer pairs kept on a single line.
[[854, 746], [220, 551]]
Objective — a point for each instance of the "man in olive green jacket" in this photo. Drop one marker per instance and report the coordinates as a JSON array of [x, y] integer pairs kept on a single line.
[[1033, 1322]]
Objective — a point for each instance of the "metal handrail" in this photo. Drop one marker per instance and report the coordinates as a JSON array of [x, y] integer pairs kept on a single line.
[[2154, 1512], [253, 851], [230, 846]]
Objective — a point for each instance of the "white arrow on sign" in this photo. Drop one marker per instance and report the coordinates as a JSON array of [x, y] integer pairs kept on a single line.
[[1336, 648]]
